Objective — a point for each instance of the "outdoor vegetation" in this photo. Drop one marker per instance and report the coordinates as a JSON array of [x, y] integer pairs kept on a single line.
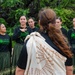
[[11, 10]]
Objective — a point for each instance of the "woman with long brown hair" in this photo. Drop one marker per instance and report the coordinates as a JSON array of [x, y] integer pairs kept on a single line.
[[46, 52]]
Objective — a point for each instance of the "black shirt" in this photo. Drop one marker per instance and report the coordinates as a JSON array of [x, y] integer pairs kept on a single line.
[[5, 43], [35, 29], [71, 38], [19, 36], [23, 56], [64, 31]]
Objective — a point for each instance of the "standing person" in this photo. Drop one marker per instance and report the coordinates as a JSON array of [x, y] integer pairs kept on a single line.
[[46, 52], [59, 26], [19, 35], [71, 37], [5, 51], [31, 24]]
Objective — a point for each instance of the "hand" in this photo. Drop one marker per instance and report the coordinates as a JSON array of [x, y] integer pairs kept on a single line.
[[23, 30]]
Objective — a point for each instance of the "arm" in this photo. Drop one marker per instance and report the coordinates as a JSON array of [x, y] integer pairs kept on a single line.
[[16, 34], [69, 36], [69, 70], [19, 71], [10, 46], [69, 66], [22, 61]]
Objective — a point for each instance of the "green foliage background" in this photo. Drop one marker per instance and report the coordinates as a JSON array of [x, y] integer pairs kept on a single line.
[[11, 10]]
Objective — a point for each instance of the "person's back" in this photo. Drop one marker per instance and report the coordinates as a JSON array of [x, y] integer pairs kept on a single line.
[[44, 57], [45, 53]]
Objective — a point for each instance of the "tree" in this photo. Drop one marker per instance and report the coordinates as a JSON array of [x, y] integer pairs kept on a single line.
[[11, 10]]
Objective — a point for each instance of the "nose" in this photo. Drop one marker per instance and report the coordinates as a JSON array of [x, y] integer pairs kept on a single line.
[[5, 28]]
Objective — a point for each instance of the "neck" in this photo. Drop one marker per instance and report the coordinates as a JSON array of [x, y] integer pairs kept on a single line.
[[73, 27], [2, 33], [23, 26]]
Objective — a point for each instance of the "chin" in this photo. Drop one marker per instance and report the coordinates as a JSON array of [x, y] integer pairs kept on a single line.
[[4, 31], [22, 24]]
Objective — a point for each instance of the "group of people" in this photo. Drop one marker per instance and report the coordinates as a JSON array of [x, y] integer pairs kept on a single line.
[[47, 50], [9, 57]]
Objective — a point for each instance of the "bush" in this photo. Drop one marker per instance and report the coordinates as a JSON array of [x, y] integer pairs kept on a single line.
[[67, 15]]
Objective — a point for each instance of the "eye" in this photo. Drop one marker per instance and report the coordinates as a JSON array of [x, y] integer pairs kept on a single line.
[[23, 19], [57, 22], [30, 21]]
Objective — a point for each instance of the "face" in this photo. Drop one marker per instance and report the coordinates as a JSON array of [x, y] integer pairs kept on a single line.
[[23, 20], [58, 23], [74, 22], [2, 28], [31, 23]]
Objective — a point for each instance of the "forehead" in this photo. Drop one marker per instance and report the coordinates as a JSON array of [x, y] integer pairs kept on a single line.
[[57, 20], [30, 19], [22, 17], [74, 19], [2, 25]]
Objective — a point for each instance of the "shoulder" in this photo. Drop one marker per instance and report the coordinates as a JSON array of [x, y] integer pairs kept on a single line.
[[17, 28], [70, 30], [7, 36], [29, 29], [36, 28], [63, 29], [69, 62], [34, 35]]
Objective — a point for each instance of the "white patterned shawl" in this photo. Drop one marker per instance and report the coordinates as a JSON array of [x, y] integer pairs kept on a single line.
[[42, 58]]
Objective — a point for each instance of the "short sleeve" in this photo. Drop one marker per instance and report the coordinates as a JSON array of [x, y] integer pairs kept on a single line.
[[22, 61], [69, 62]]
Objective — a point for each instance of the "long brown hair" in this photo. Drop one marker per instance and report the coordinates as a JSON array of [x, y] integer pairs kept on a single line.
[[47, 20]]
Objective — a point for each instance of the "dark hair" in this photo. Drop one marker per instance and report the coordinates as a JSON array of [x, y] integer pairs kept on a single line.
[[59, 18], [47, 19], [21, 16], [31, 18], [0, 24]]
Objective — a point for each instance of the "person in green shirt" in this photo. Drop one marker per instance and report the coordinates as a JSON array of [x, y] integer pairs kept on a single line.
[[71, 38], [5, 51]]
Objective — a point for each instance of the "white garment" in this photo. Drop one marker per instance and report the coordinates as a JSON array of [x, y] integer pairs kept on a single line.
[[42, 58]]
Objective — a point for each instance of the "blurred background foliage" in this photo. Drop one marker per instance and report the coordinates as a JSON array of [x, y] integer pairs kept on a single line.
[[11, 10]]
